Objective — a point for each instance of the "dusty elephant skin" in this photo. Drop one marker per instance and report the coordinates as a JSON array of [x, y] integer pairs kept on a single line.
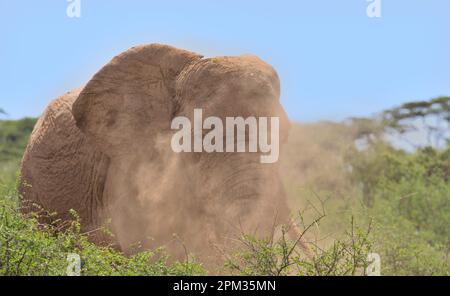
[[104, 151]]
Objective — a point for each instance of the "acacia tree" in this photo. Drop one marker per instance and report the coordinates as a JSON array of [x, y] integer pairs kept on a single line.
[[367, 158], [434, 116]]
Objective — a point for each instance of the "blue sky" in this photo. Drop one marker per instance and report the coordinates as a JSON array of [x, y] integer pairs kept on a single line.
[[332, 59]]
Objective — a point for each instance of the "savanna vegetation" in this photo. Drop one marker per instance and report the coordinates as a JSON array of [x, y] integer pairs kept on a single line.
[[355, 188]]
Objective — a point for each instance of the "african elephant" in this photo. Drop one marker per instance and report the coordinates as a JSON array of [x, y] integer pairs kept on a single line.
[[104, 151]]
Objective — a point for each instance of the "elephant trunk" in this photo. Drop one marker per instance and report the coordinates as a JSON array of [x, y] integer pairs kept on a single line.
[[243, 193], [248, 198]]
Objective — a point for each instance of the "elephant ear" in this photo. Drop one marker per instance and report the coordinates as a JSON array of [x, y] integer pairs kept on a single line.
[[131, 99]]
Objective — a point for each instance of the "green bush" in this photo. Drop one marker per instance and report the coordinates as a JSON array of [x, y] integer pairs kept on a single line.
[[346, 256], [404, 249], [30, 248], [14, 136], [408, 195]]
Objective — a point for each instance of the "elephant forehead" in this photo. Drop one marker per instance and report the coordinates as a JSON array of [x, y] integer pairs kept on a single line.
[[243, 75]]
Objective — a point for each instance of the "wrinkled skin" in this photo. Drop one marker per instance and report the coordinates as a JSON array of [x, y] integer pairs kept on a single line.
[[105, 152]]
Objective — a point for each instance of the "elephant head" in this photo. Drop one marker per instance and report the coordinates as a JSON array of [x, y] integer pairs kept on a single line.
[[126, 110]]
